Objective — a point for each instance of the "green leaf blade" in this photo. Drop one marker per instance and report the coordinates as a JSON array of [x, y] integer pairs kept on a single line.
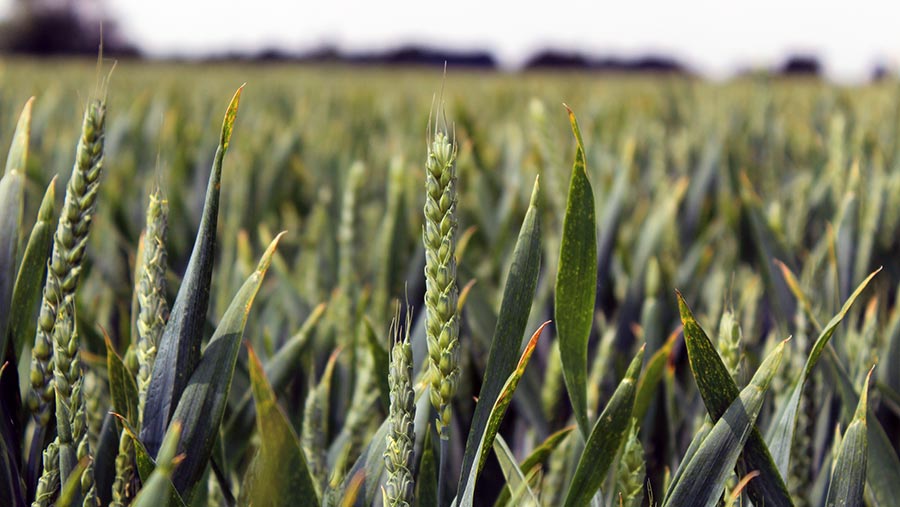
[[30, 279], [576, 282], [515, 308], [12, 201], [280, 475], [848, 478]]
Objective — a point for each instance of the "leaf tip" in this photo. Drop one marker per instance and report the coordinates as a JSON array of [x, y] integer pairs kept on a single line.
[[26, 111], [230, 115], [535, 191], [266, 259], [683, 309]]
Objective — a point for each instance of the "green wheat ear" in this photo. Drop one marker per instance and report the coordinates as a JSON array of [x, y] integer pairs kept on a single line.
[[153, 311], [441, 292], [151, 292], [398, 453], [66, 260]]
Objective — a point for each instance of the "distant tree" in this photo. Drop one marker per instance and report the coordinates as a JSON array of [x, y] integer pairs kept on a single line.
[[801, 65], [61, 27]]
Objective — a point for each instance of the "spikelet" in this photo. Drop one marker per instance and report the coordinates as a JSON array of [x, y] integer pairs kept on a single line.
[[153, 312], [398, 453], [66, 260], [730, 343], [96, 401], [48, 484], [84, 454], [122, 492], [441, 292]]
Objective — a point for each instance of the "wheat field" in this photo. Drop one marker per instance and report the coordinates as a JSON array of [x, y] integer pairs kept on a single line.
[[268, 285]]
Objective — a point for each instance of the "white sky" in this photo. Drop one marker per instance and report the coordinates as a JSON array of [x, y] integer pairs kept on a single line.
[[714, 37]]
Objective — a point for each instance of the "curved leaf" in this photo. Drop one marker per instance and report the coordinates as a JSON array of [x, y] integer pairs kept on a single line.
[[158, 490], [651, 377], [279, 475], [492, 425], [781, 432], [202, 405], [70, 493], [883, 477], [279, 370], [537, 456], [515, 478]]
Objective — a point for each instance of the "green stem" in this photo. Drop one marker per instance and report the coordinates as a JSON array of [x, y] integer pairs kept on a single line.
[[442, 469]]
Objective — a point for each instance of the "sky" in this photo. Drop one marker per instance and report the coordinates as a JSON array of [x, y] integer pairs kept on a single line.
[[716, 38]]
